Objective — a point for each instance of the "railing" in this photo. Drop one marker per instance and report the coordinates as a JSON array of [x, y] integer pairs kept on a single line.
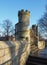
[[33, 60]]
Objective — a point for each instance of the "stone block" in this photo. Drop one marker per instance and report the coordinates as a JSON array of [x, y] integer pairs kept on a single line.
[[41, 44]]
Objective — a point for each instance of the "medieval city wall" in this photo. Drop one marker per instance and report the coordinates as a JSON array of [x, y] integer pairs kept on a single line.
[[13, 53]]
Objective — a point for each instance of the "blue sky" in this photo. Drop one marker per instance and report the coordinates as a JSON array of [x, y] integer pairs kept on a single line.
[[9, 9]]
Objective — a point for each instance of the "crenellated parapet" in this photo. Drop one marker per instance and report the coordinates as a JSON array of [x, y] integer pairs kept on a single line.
[[22, 12], [24, 16]]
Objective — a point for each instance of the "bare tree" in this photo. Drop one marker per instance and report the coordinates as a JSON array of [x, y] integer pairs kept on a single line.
[[8, 28], [43, 24]]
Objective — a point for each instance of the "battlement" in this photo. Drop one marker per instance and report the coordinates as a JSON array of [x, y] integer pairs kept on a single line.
[[22, 12]]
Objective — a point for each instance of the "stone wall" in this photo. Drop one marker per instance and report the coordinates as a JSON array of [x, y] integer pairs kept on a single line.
[[14, 52], [41, 44]]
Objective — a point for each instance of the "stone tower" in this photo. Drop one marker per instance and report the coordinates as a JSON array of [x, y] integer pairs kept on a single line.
[[22, 27], [35, 30]]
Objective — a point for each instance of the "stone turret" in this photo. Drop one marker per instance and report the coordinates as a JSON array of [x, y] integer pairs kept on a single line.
[[22, 27], [24, 16], [35, 30]]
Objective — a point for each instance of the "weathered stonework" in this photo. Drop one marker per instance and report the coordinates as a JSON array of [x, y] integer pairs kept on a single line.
[[35, 31], [24, 16], [22, 27], [13, 52], [41, 44]]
